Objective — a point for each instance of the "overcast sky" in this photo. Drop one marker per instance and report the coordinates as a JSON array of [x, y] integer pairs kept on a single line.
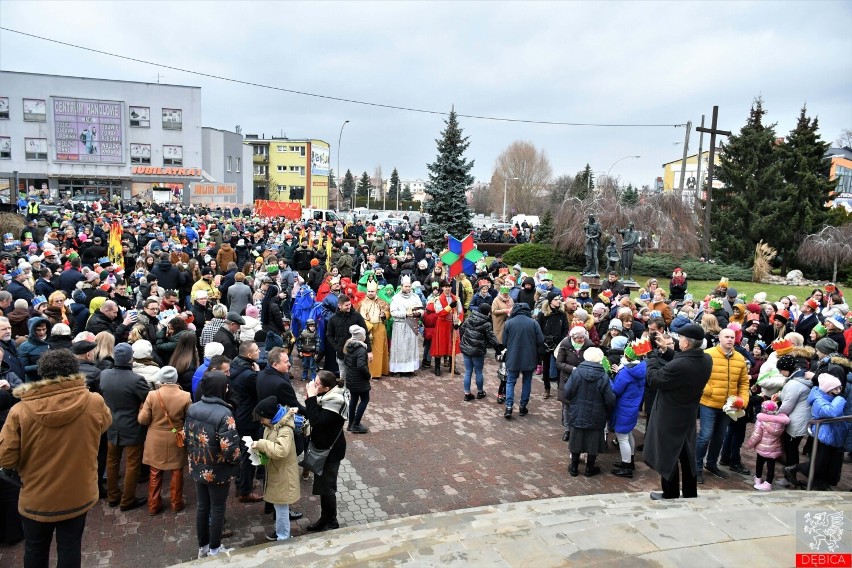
[[615, 63]]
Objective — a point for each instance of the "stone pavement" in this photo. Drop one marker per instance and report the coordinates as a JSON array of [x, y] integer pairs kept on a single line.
[[719, 529], [428, 451]]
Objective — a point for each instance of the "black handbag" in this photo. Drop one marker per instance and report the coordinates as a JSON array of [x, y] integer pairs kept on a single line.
[[11, 477], [314, 459]]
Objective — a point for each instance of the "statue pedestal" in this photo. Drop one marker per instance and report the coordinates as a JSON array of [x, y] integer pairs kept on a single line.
[[594, 283]]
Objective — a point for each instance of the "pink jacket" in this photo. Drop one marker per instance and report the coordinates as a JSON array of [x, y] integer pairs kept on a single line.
[[766, 438]]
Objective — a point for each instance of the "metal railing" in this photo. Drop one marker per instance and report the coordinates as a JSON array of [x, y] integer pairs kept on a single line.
[[817, 424]]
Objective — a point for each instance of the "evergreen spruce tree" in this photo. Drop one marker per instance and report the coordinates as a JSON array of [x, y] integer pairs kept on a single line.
[[348, 186], [332, 181], [364, 185], [630, 196], [584, 183], [449, 179], [746, 209], [806, 186], [406, 194], [393, 190], [544, 232]]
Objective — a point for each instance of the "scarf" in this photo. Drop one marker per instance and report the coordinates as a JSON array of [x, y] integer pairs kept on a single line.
[[279, 415], [334, 401]]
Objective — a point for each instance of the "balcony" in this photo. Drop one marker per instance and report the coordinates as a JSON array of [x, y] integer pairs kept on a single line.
[[260, 158]]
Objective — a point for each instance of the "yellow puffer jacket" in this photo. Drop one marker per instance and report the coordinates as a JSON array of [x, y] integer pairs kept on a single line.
[[728, 378]]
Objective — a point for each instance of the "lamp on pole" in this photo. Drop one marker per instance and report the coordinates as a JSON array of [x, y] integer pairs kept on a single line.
[[505, 191], [339, 137], [618, 160]]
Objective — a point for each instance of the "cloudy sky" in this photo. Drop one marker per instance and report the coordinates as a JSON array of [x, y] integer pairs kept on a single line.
[[601, 62]]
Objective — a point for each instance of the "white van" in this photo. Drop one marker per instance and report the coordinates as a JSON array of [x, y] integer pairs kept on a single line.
[[319, 215], [532, 220]]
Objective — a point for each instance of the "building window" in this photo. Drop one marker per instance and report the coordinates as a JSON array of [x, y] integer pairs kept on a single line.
[[5, 148], [229, 164], [260, 169], [260, 150], [238, 165], [299, 149], [35, 148], [298, 170], [282, 148], [281, 189], [4, 107], [282, 168], [172, 119], [297, 192], [35, 110], [140, 154], [172, 155], [140, 117]]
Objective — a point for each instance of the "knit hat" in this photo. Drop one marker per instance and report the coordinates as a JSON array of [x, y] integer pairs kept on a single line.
[[786, 363], [593, 354], [769, 407], [552, 296], [619, 342], [827, 346], [678, 323], [581, 314], [760, 297], [123, 354], [485, 309], [142, 349], [212, 349], [827, 383], [692, 331], [252, 311], [357, 332], [616, 324], [314, 262], [267, 408], [167, 375]]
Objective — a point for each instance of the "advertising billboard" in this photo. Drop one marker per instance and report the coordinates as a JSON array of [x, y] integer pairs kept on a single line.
[[88, 131], [319, 161]]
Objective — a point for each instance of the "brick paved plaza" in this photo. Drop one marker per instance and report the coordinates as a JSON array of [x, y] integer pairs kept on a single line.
[[427, 451]]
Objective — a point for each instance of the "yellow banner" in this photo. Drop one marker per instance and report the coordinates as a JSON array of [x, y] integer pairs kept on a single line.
[[114, 249]]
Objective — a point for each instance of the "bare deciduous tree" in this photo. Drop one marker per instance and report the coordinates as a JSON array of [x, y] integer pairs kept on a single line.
[[480, 198], [832, 246], [845, 138], [524, 161]]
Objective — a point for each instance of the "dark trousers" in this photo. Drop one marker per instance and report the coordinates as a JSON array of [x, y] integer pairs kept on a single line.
[[791, 448], [245, 480], [546, 362], [69, 541], [210, 513], [770, 468], [672, 485], [102, 458], [357, 405], [829, 463], [734, 438]]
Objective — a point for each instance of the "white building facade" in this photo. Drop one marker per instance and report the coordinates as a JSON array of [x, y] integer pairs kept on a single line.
[[64, 136]]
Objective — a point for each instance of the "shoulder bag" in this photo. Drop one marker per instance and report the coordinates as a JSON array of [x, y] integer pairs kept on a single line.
[[314, 460], [179, 435]]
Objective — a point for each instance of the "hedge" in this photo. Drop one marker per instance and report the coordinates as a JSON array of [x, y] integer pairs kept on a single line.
[[661, 265], [534, 254]]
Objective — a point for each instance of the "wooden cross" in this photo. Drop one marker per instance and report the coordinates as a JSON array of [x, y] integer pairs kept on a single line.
[[713, 131]]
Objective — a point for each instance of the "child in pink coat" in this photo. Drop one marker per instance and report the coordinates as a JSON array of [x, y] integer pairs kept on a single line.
[[766, 439]]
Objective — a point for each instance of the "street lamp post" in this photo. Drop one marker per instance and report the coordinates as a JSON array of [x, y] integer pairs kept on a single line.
[[618, 160], [505, 191], [339, 137]]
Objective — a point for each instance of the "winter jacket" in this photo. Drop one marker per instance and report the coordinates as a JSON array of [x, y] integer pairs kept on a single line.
[[19, 318], [251, 327], [271, 382], [99, 322], [228, 341], [20, 292], [308, 342], [200, 315], [728, 378], [282, 471], [243, 395], [161, 449], [337, 330], [212, 441], [766, 437], [430, 318], [523, 339], [527, 296], [794, 403], [239, 296], [211, 328], [826, 406], [629, 388], [554, 326], [590, 397], [168, 277], [477, 335], [51, 437], [567, 358], [31, 349], [124, 392], [165, 345], [327, 415], [225, 256], [356, 366]]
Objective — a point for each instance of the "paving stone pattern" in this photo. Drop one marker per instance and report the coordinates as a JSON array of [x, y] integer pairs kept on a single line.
[[428, 451]]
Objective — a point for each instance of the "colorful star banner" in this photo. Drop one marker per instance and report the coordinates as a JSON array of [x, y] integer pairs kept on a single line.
[[461, 256]]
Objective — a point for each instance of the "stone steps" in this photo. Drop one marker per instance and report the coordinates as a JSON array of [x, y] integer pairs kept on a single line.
[[719, 527]]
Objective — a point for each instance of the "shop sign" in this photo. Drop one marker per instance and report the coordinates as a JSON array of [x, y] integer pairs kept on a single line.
[[149, 171]]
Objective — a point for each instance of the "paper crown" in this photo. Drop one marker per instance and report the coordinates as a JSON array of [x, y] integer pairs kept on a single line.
[[783, 314], [813, 304], [820, 330], [715, 304], [607, 293], [104, 260], [372, 286], [723, 282], [641, 346], [782, 346], [39, 300]]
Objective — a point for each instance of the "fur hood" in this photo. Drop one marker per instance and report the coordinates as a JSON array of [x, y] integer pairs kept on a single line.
[[806, 352], [51, 402], [842, 361]]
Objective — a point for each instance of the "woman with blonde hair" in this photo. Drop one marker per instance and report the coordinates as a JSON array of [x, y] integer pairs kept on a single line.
[[57, 311], [105, 345], [711, 328]]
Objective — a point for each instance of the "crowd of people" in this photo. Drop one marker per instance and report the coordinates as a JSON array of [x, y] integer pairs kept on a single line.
[[174, 355]]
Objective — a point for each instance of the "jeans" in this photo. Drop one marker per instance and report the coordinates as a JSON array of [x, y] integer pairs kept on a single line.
[[282, 521], [69, 541], [734, 438], [710, 436], [210, 513], [526, 386], [309, 368], [358, 402], [131, 473], [472, 364]]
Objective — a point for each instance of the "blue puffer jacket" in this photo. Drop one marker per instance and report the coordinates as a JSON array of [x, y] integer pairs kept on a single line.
[[826, 406], [589, 396], [31, 349], [629, 388]]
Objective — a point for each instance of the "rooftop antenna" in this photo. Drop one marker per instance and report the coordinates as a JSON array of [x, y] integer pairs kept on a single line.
[[158, 78]]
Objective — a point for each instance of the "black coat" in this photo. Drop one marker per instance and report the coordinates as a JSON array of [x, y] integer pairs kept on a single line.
[[325, 426], [566, 360], [523, 338], [589, 395], [337, 330], [99, 322], [243, 389], [271, 382], [357, 369], [477, 334], [168, 277], [554, 326], [224, 336], [679, 380]]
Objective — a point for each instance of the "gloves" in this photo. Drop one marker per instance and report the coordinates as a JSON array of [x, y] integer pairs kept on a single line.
[[500, 348], [453, 304], [455, 326]]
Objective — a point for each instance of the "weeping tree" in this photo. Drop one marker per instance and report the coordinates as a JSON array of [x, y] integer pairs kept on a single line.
[[831, 247], [666, 221]]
